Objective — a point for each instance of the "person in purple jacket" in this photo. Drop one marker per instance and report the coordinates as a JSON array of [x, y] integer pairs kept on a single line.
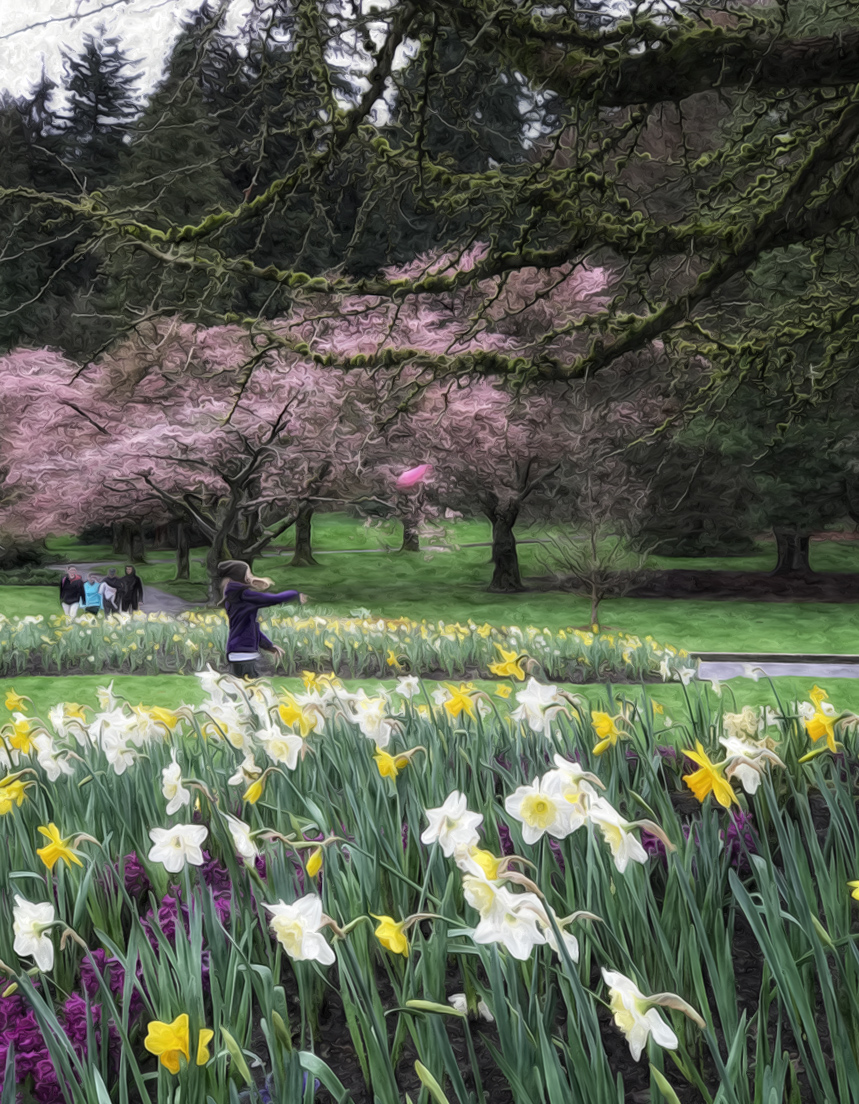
[[242, 603]]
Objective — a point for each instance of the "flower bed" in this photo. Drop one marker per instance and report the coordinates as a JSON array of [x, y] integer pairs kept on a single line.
[[357, 647], [492, 899]]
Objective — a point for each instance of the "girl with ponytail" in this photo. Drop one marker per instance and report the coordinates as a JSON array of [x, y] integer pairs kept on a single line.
[[242, 603]]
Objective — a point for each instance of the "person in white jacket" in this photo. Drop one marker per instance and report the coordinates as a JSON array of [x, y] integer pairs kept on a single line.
[[107, 590]]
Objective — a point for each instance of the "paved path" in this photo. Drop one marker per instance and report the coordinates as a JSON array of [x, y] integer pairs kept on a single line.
[[729, 670]]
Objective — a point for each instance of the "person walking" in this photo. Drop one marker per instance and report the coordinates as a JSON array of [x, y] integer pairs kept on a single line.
[[107, 590], [71, 592], [242, 603], [92, 601], [129, 590]]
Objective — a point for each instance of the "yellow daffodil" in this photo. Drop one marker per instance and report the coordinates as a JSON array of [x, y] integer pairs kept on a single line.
[[393, 661], [484, 630], [487, 862], [72, 709], [503, 691], [855, 887], [56, 849], [821, 725], [709, 779], [291, 713], [168, 1041], [15, 701], [309, 678], [509, 667], [12, 792], [391, 935], [605, 727], [21, 732], [254, 792], [314, 862], [389, 766], [657, 708], [459, 700]]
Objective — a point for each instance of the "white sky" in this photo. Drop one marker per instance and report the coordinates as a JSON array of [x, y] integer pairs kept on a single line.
[[33, 33]]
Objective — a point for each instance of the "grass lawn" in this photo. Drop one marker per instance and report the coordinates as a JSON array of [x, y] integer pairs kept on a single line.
[[451, 586], [172, 690]]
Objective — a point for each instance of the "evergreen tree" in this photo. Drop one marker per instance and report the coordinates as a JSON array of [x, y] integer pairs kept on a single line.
[[100, 84]]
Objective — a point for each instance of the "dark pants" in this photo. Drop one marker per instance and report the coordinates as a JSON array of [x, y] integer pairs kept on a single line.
[[245, 668], [128, 605], [109, 607], [92, 609]]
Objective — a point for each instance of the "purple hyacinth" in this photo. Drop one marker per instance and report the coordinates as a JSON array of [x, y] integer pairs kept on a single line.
[[136, 881], [740, 839], [504, 839]]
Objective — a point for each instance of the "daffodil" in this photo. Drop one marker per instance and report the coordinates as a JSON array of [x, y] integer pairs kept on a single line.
[[314, 862], [709, 779], [57, 848], [30, 922], [855, 887], [291, 713], [389, 766], [174, 847], [253, 793], [169, 1042], [540, 811], [605, 726], [510, 665], [391, 935], [460, 700], [636, 1016], [297, 928], [12, 793], [452, 825], [503, 691], [15, 701], [22, 730], [821, 724]]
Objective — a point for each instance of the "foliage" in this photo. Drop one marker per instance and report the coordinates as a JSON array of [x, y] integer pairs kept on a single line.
[[356, 647], [141, 937]]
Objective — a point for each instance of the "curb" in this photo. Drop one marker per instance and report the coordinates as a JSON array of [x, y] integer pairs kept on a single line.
[[774, 657]]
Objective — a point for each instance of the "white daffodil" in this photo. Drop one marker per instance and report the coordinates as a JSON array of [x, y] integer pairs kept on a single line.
[[51, 759], [281, 747], [117, 750], [752, 672], [513, 920], [746, 760], [241, 834], [540, 811], [174, 847], [371, 716], [30, 922], [664, 670], [171, 786], [232, 721], [459, 1003], [296, 928], [575, 786], [247, 773], [408, 686], [452, 825], [106, 698], [441, 695], [716, 687], [625, 847], [686, 674], [538, 704], [741, 725], [636, 1016], [210, 681]]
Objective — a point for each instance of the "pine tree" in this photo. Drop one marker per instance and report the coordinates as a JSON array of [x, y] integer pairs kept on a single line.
[[100, 84]]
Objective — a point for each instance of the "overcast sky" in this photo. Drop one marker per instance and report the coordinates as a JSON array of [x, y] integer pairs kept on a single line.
[[33, 33]]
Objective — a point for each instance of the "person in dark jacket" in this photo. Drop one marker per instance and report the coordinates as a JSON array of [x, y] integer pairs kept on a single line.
[[242, 603], [129, 590], [71, 592]]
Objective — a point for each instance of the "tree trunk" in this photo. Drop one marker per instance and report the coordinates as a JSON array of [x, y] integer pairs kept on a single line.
[[161, 537], [792, 553], [183, 553], [118, 537], [505, 578], [411, 537], [595, 611], [137, 545], [213, 558], [303, 545], [124, 542]]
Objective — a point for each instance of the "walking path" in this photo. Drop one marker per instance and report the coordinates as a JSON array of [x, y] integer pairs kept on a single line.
[[816, 667]]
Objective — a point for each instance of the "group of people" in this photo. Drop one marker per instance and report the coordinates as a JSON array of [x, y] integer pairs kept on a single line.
[[111, 594]]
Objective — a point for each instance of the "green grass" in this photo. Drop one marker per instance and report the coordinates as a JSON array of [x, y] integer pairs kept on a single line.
[[172, 690], [451, 586]]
